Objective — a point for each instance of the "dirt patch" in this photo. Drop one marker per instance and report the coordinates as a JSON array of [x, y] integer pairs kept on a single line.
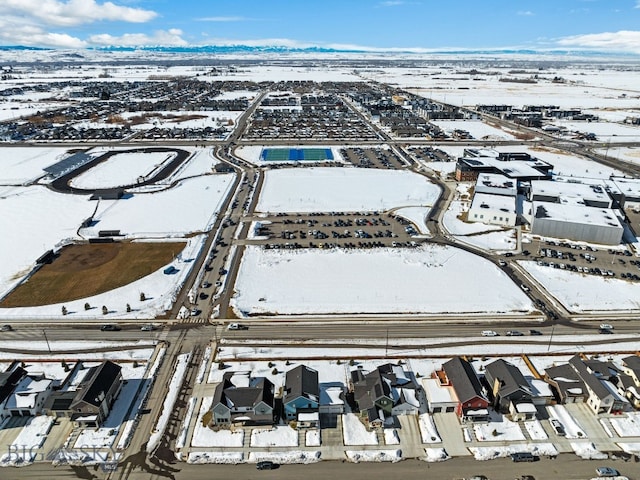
[[82, 271]]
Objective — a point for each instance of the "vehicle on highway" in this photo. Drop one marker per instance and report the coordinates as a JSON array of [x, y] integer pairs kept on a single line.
[[606, 326], [502, 263], [6, 328], [514, 333], [109, 327], [266, 465], [489, 333], [557, 427], [535, 332], [607, 472], [605, 331], [524, 287], [524, 457], [237, 326], [149, 327], [525, 477]]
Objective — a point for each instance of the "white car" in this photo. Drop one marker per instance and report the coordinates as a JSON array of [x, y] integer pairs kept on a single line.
[[489, 333], [606, 326], [237, 326]]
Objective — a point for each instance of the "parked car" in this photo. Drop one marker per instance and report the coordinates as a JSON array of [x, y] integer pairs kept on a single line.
[[523, 457], [266, 465], [607, 472], [110, 328], [206, 284], [489, 333], [195, 312]]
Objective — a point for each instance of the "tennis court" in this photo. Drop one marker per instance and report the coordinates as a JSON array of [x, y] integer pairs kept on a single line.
[[296, 154]]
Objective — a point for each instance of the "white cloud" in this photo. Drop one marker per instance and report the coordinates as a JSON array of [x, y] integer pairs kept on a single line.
[[526, 13], [637, 4], [33, 36], [73, 12], [172, 37], [622, 41]]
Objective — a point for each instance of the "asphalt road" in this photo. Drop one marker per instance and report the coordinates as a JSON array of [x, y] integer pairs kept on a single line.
[[564, 467]]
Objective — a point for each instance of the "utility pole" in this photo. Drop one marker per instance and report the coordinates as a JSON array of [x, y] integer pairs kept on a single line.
[[46, 340]]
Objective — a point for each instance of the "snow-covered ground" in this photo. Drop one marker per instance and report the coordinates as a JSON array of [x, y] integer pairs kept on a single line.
[[571, 426], [182, 362], [493, 452], [535, 430], [477, 128], [357, 456], [627, 425], [586, 293], [435, 455], [588, 451], [24, 449], [205, 437], [500, 429], [428, 430], [422, 280], [415, 215], [20, 165], [343, 190], [278, 435], [355, 433]]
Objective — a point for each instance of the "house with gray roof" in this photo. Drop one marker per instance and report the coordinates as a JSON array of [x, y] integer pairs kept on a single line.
[[301, 392], [510, 390], [472, 400], [249, 402]]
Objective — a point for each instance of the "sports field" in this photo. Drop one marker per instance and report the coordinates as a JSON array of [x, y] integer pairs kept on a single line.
[[81, 271], [296, 154]]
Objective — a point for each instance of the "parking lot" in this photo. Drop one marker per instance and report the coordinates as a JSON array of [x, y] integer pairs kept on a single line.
[[372, 158], [335, 229], [589, 260]]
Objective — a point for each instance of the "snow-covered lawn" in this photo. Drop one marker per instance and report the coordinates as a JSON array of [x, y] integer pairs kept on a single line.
[[586, 293], [435, 455], [415, 215], [25, 447], [182, 363], [588, 451], [203, 364], [232, 458], [490, 453], [190, 206], [391, 436], [456, 226], [205, 437], [290, 457], [277, 436], [357, 456], [181, 441], [571, 426], [19, 165], [502, 240], [477, 128], [312, 438], [426, 279], [535, 430], [428, 429], [344, 190], [122, 169], [498, 430], [627, 425], [355, 433]]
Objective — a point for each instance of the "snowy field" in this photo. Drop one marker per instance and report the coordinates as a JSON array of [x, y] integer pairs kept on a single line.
[[355, 433], [626, 154], [604, 131], [498, 430], [421, 280], [586, 293], [19, 165], [190, 206], [344, 190], [125, 168]]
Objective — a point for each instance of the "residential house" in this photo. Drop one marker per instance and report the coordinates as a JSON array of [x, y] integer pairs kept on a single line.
[[631, 379], [29, 395], [472, 400], [384, 392], [91, 401], [440, 397], [301, 392], [510, 390], [240, 399], [9, 380]]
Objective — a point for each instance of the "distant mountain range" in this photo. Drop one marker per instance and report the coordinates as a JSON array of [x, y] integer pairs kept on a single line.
[[246, 49]]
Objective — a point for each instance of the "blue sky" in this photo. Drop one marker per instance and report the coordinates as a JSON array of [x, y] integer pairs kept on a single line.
[[421, 25]]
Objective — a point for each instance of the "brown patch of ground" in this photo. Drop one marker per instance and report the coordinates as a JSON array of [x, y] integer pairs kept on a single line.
[[81, 271]]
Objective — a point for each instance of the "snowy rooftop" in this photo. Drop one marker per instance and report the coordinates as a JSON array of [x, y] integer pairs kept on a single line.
[[503, 203], [436, 393], [512, 169], [496, 183], [630, 187], [576, 214], [25, 393], [571, 192]]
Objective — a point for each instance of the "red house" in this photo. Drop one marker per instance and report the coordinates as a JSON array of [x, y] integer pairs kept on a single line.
[[472, 401]]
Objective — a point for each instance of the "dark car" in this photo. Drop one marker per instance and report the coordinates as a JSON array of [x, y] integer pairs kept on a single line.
[[6, 328], [523, 457], [535, 332], [266, 465], [110, 328], [605, 331]]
